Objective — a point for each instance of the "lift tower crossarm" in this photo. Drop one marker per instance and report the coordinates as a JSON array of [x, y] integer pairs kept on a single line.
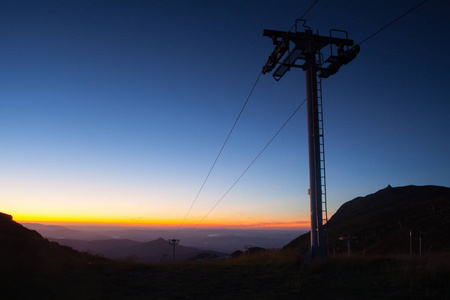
[[299, 38], [305, 43]]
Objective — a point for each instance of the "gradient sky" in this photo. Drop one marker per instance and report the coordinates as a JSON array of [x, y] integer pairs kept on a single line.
[[114, 111]]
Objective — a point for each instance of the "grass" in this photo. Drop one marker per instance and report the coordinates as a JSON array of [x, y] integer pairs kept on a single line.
[[267, 275]]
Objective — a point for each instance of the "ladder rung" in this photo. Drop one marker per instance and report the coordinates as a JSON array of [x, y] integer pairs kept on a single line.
[[321, 151]]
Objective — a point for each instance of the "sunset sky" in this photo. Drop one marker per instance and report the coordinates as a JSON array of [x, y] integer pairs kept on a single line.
[[114, 111]]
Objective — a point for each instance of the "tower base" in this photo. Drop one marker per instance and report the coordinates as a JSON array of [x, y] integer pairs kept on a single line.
[[316, 254]]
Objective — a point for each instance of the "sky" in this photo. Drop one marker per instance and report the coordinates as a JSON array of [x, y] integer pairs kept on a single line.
[[114, 111]]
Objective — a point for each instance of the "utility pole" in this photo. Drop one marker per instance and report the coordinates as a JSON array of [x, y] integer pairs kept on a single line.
[[248, 248], [349, 240], [173, 242], [420, 243], [410, 242], [307, 47]]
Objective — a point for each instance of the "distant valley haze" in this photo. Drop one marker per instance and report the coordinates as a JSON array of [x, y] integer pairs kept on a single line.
[[215, 239]]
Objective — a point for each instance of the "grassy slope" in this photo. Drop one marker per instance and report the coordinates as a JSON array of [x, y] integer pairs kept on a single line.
[[267, 275]]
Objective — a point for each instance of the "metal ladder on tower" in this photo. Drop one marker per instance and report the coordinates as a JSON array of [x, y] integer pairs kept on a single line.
[[323, 182]]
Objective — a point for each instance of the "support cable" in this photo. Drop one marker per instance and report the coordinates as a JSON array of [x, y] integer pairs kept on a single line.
[[392, 22], [220, 152], [306, 11], [251, 164], [304, 14]]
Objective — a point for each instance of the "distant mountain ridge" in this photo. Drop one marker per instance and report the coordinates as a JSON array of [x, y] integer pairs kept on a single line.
[[60, 232], [152, 251], [223, 240], [380, 223]]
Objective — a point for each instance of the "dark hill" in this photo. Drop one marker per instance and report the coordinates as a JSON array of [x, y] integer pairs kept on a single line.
[[380, 223], [28, 263], [19, 245]]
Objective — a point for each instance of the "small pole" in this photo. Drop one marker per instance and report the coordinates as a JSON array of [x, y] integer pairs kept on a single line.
[[410, 242], [420, 244], [349, 240], [248, 248], [173, 242], [349, 246]]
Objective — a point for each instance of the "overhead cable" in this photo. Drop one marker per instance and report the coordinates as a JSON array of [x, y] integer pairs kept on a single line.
[[220, 152], [307, 11], [392, 22], [251, 164], [304, 14]]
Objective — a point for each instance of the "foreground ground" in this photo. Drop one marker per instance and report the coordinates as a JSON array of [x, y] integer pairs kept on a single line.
[[271, 275]]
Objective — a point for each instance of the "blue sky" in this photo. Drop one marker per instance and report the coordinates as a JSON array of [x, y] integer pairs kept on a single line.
[[115, 110]]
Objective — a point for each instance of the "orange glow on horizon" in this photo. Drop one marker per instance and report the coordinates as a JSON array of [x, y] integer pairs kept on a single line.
[[141, 222]]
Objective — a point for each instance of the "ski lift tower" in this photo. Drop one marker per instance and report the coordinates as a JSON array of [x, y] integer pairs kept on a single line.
[[305, 53]]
